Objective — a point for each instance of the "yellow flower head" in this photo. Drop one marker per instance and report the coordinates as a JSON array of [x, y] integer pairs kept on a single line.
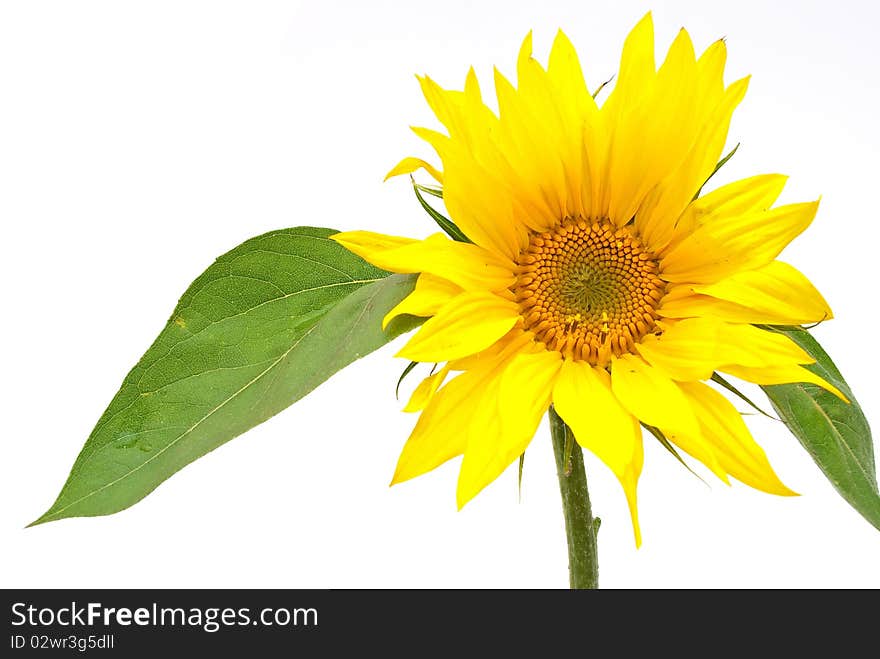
[[594, 281]]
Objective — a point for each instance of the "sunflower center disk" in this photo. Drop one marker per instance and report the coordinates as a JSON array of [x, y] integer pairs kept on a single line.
[[588, 290]]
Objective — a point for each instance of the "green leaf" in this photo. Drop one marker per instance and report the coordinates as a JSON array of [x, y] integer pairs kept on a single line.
[[522, 461], [264, 325], [718, 378], [433, 190], [406, 371], [835, 433]]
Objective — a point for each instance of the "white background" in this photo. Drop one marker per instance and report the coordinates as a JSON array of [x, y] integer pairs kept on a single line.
[[139, 140]]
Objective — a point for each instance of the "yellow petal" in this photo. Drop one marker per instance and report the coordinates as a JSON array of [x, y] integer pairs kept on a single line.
[[694, 305], [661, 129], [525, 391], [650, 395], [564, 70], [463, 113], [505, 419], [488, 216], [736, 450], [468, 266], [697, 305], [437, 436], [409, 165], [468, 323], [743, 197], [637, 68], [447, 105], [686, 350], [783, 374], [479, 185], [366, 243], [658, 124], [435, 138], [721, 248], [775, 294], [426, 389], [583, 398], [515, 341], [698, 447], [441, 432], [657, 222], [531, 148], [710, 73], [693, 348], [612, 182], [544, 112], [656, 400], [746, 345], [584, 127], [428, 296]]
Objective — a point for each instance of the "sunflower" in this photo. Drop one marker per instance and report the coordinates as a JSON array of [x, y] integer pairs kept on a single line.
[[594, 277]]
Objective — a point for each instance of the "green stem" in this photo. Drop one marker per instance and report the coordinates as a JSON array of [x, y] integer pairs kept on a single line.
[[583, 558]]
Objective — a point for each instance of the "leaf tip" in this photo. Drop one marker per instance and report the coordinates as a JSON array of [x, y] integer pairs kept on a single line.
[[42, 519]]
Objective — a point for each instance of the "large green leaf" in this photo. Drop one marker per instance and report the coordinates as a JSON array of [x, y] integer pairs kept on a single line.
[[259, 329], [835, 433]]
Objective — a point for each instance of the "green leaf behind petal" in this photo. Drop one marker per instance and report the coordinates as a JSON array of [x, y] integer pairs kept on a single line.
[[718, 166], [264, 325], [450, 227], [835, 433]]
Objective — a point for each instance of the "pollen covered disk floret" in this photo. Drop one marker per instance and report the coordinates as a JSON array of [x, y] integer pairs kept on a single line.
[[588, 290]]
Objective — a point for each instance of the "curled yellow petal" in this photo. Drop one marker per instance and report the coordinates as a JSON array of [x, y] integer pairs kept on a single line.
[[409, 165]]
